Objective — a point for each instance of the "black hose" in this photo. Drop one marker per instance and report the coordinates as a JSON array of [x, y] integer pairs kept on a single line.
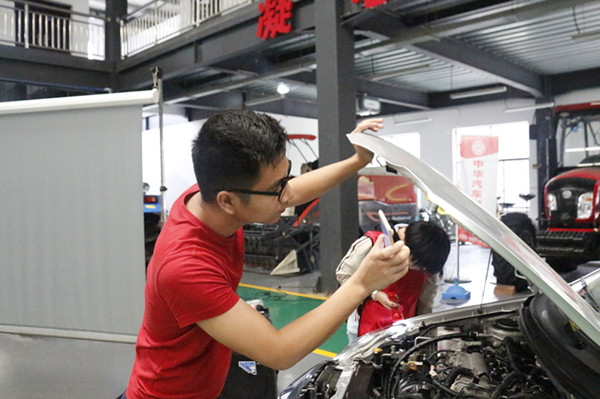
[[438, 353], [389, 388], [455, 373], [511, 352], [508, 382]]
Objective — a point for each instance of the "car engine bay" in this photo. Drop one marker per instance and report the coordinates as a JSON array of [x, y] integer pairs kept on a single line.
[[483, 357]]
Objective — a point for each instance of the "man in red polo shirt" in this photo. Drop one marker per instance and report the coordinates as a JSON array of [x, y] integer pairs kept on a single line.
[[193, 317]]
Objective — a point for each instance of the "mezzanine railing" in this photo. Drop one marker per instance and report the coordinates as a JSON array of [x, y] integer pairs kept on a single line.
[[35, 25], [164, 19]]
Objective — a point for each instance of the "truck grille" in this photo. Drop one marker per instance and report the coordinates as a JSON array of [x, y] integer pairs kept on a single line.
[[567, 191], [571, 244]]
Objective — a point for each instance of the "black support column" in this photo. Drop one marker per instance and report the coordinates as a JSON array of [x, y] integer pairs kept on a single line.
[[336, 117], [115, 9], [545, 136]]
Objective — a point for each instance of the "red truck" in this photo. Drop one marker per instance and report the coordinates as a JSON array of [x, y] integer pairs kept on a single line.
[[569, 226]]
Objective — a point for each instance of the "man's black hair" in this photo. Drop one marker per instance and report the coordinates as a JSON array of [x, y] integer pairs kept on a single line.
[[231, 147], [429, 246]]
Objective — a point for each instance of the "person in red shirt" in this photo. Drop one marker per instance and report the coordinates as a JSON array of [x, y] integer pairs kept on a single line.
[[193, 318], [412, 294]]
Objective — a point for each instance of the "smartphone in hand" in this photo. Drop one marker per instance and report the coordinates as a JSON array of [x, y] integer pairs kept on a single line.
[[386, 229]]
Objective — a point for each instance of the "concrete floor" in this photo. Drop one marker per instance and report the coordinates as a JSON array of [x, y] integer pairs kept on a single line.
[[33, 367]]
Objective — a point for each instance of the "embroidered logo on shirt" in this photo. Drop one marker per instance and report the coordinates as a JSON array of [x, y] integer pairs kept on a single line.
[[248, 366]]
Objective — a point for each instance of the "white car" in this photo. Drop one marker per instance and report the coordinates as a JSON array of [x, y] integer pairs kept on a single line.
[[545, 345]]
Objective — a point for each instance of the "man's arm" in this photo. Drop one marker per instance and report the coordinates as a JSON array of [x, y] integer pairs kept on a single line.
[[245, 331], [310, 185]]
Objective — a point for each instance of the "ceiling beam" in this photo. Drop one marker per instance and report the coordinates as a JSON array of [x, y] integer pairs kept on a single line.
[[463, 55], [482, 18], [578, 80], [54, 69], [449, 50], [393, 95]]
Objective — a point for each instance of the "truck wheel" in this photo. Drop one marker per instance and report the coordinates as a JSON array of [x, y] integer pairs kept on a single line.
[[522, 226], [505, 273]]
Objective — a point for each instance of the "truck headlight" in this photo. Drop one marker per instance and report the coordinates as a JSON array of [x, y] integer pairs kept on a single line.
[[551, 198], [585, 205]]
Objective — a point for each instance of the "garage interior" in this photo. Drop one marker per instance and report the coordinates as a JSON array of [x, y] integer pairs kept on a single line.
[[424, 66]]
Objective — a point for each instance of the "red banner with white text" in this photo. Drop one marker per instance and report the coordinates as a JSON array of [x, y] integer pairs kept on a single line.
[[479, 167]]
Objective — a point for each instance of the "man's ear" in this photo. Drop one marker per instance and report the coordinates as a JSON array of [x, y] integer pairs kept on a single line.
[[227, 201]]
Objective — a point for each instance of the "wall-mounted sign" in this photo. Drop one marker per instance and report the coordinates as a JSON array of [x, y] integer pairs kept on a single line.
[[274, 18]]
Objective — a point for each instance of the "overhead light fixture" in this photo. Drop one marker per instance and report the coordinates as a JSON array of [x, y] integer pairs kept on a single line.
[[263, 100], [530, 107], [392, 74], [477, 93], [593, 34], [366, 106], [585, 165], [413, 121], [282, 88], [583, 149]]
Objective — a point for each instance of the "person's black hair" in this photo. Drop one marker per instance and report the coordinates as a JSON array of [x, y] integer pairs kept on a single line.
[[429, 246], [231, 147]]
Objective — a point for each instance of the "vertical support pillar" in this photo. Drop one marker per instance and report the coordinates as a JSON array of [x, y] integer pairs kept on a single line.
[[115, 9], [546, 154], [336, 114]]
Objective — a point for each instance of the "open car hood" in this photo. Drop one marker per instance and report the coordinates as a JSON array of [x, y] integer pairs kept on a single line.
[[473, 218]]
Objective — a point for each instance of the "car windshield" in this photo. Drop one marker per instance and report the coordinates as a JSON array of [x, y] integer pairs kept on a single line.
[[578, 141], [472, 217]]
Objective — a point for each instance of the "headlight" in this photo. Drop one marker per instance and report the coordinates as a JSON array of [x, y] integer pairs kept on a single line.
[[551, 199], [295, 389], [585, 205]]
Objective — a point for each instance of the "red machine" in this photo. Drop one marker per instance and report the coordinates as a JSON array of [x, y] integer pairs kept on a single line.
[[570, 225], [395, 195]]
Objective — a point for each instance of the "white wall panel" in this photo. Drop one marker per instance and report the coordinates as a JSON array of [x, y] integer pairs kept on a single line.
[[71, 220]]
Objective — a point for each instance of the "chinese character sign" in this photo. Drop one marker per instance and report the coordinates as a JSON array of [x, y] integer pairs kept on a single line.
[[371, 3], [274, 18], [479, 167]]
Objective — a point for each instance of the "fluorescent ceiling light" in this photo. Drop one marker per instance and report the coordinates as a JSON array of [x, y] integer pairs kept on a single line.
[[582, 149], [593, 34], [412, 121], [263, 100], [530, 107], [477, 93], [588, 164]]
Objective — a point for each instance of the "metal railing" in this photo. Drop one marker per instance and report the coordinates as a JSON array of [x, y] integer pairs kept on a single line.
[[163, 19], [34, 25]]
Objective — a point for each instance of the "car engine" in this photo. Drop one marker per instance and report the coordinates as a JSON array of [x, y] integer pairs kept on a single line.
[[482, 357]]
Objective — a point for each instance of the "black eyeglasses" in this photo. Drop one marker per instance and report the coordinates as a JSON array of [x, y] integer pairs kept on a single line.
[[277, 194]]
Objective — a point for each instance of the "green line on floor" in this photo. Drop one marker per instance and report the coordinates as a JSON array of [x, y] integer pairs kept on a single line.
[[285, 307]]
